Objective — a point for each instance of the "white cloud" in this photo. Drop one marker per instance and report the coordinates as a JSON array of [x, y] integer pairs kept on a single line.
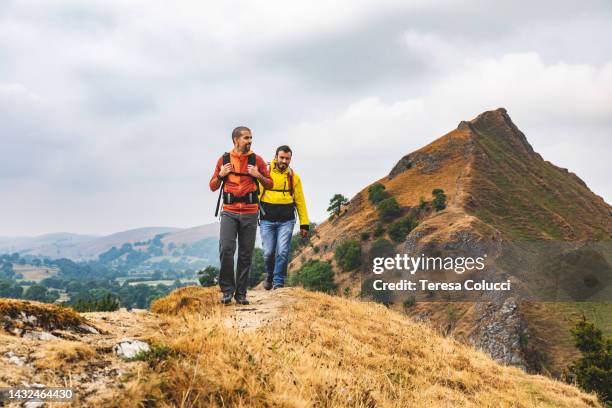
[[552, 104]]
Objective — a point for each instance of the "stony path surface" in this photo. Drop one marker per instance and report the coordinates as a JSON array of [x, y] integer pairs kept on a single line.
[[265, 306]]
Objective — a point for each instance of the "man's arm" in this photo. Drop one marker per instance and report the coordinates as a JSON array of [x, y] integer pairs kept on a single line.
[[220, 172], [261, 173], [300, 205]]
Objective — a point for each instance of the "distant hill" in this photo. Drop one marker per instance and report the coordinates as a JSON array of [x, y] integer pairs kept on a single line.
[[44, 244], [87, 247], [540, 224]]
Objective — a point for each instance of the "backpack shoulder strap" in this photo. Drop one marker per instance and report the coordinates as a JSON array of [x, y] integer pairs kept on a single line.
[[263, 190], [225, 160], [252, 160], [290, 182]]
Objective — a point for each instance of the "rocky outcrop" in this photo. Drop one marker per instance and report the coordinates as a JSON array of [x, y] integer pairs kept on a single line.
[[500, 331]]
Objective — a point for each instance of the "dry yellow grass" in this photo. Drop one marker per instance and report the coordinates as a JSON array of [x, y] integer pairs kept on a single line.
[[188, 299], [62, 356], [326, 352], [47, 316]]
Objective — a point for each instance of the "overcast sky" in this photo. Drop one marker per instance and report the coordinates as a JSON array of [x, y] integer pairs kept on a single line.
[[113, 112]]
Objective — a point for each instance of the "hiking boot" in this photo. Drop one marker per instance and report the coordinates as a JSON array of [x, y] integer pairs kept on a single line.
[[278, 287], [226, 298], [242, 300], [267, 285]]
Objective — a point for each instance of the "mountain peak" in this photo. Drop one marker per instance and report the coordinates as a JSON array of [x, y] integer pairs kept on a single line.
[[498, 124]]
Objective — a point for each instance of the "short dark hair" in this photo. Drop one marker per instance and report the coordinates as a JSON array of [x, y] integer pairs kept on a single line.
[[283, 148], [236, 132]]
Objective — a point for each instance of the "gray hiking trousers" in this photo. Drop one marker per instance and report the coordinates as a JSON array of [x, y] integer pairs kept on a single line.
[[243, 227]]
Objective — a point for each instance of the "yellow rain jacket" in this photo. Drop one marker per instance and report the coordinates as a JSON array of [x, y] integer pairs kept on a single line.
[[278, 203]]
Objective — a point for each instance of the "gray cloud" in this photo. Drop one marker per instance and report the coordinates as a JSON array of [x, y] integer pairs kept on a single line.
[[113, 113]]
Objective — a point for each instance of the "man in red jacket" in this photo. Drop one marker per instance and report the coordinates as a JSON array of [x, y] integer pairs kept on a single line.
[[238, 171]]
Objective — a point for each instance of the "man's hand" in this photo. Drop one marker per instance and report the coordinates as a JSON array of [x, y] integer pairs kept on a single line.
[[303, 233], [226, 169], [252, 170]]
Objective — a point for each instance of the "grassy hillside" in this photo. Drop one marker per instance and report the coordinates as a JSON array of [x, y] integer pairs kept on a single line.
[[526, 197], [502, 196], [327, 351]]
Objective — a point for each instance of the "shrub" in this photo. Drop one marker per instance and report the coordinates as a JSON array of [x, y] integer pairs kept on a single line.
[[409, 302], [439, 201], [365, 236], [388, 209], [209, 276], [298, 242], [40, 293], [316, 249], [379, 230], [400, 228], [422, 203], [315, 275], [380, 296], [381, 248], [348, 255], [377, 193], [155, 356], [593, 371], [86, 303]]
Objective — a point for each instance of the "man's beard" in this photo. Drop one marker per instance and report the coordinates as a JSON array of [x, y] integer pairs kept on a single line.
[[281, 166]]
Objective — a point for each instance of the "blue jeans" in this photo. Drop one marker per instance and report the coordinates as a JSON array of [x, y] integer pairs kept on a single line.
[[276, 240]]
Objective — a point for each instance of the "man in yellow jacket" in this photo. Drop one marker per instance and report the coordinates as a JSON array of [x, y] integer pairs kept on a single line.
[[278, 206]]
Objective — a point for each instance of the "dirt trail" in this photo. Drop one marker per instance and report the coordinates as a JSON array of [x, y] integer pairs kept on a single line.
[[265, 306]]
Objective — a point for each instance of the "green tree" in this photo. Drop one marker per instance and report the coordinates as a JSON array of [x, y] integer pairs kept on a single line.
[[209, 276], [315, 275], [377, 193], [109, 303], [7, 271], [439, 201], [348, 255], [37, 292], [335, 204], [388, 209], [9, 289], [593, 371]]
